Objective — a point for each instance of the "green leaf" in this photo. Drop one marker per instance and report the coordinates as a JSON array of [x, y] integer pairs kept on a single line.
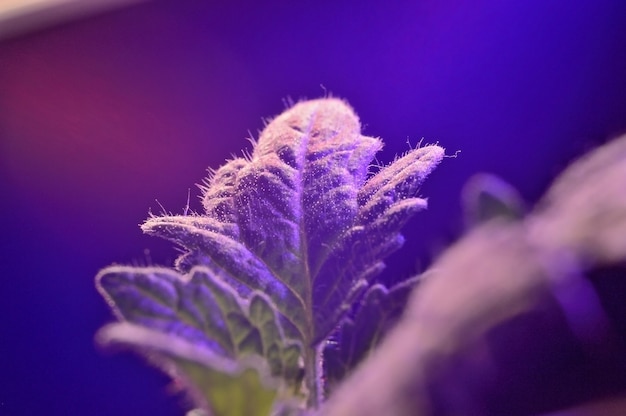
[[240, 394], [201, 308], [220, 386]]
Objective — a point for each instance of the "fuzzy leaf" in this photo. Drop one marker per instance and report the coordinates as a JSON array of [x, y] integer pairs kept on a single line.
[[218, 385], [357, 337], [240, 394], [299, 220], [289, 241], [202, 309]]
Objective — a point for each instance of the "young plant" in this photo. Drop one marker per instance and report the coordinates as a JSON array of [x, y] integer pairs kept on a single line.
[[284, 256]]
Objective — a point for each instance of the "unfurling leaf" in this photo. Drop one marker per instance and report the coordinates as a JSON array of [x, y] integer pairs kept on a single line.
[[299, 220], [289, 241]]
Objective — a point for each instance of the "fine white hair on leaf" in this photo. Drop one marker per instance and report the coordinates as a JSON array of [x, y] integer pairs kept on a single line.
[[291, 237]]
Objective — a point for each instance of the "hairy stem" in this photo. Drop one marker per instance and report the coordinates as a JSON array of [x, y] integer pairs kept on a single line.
[[314, 374]]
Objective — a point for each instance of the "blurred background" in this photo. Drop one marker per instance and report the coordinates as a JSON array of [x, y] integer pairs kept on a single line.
[[106, 109]]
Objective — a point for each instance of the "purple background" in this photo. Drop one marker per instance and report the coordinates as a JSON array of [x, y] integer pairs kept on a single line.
[[101, 116]]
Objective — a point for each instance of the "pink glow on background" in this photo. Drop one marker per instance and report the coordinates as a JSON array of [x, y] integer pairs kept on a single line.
[[100, 117]]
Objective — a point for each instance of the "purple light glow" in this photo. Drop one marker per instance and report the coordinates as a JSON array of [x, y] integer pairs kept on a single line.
[[101, 116]]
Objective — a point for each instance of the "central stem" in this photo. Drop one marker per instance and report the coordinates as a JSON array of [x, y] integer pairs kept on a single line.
[[313, 373]]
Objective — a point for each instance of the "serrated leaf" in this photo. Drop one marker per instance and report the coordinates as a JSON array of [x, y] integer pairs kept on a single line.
[[357, 337], [290, 240], [299, 220], [201, 308], [218, 385]]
